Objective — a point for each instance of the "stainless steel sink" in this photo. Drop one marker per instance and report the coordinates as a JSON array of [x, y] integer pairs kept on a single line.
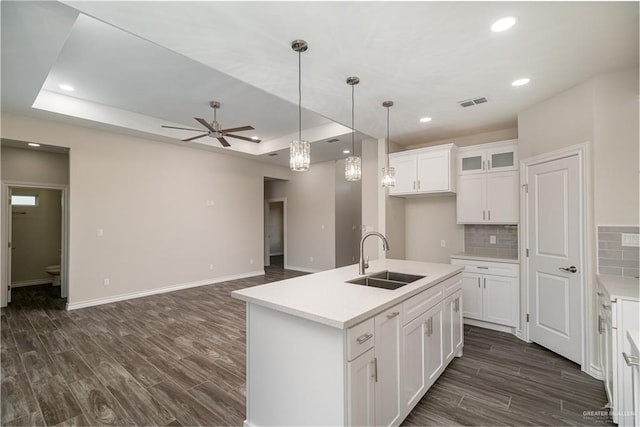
[[386, 280]]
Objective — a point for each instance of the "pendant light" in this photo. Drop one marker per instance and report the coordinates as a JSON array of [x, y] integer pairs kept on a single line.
[[299, 156], [353, 163], [388, 173]]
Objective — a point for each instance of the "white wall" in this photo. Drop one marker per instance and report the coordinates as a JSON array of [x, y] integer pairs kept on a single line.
[[149, 198], [34, 166], [310, 216], [604, 112], [348, 217], [472, 139]]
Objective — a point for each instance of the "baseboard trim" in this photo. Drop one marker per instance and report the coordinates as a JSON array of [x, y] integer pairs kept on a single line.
[[33, 282], [303, 269], [133, 295], [489, 325]]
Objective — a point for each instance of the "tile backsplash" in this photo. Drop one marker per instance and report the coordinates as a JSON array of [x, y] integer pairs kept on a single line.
[[477, 240], [613, 258]]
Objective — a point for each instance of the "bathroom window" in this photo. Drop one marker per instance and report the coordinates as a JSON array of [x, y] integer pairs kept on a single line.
[[30, 200]]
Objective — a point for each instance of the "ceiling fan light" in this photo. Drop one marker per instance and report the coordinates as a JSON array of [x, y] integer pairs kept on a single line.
[[353, 168], [299, 156]]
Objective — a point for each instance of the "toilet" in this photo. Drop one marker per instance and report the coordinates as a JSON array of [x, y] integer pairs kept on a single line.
[[54, 270]]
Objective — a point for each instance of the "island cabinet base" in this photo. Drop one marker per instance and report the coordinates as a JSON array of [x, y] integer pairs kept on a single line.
[[305, 372], [296, 370]]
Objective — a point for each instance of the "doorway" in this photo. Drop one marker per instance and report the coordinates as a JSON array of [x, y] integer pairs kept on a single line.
[[275, 240], [36, 228], [556, 267]]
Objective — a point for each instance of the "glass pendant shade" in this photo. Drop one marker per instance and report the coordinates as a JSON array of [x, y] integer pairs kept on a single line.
[[299, 156], [353, 168], [388, 177]]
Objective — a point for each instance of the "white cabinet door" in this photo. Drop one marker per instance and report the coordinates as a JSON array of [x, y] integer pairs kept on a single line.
[[361, 390], [502, 158], [472, 295], [433, 171], [471, 198], [471, 161], [433, 351], [457, 326], [405, 172], [448, 321], [500, 300], [388, 329], [413, 375], [503, 203]]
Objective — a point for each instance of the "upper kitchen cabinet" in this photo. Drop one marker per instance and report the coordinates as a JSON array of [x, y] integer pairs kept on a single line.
[[424, 171], [488, 184], [494, 157]]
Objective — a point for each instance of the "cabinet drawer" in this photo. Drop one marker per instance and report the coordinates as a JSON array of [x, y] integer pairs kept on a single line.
[[415, 306], [486, 267], [360, 338], [452, 284]]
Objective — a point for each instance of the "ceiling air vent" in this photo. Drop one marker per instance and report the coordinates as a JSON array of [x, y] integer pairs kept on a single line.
[[272, 154], [472, 102], [333, 140]]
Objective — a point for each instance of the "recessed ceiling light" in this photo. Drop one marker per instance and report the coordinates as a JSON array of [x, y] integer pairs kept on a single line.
[[425, 119], [33, 144], [520, 82], [503, 24], [254, 137], [346, 151], [66, 87]]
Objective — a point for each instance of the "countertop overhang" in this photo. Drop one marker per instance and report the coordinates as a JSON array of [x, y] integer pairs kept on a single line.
[[326, 298]]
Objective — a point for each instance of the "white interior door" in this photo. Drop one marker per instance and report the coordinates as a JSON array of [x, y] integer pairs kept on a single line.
[[555, 273]]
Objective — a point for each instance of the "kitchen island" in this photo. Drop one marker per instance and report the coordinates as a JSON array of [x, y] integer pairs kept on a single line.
[[321, 351]]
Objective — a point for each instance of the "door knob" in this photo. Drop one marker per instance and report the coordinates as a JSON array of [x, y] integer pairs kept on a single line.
[[571, 269]]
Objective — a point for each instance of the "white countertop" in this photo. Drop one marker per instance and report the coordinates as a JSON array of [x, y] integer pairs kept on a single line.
[[325, 297], [476, 257], [620, 287]]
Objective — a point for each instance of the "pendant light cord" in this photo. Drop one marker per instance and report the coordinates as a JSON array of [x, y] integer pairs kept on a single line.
[[353, 130], [387, 137], [299, 96]]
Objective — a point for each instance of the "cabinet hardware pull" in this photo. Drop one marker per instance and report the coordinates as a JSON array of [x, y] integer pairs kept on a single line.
[[364, 338], [606, 307], [375, 369], [430, 326], [631, 360], [483, 165], [483, 215], [414, 185], [489, 164], [482, 268], [489, 214], [600, 293], [456, 305], [418, 184], [484, 285], [392, 315], [600, 331], [478, 282]]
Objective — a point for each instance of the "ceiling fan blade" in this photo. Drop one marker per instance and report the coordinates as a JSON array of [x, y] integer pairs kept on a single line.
[[174, 127], [204, 123], [240, 129], [242, 137], [195, 137], [224, 142]]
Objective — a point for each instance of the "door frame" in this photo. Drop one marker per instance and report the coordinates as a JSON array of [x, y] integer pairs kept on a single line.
[[5, 279], [587, 285], [267, 202]]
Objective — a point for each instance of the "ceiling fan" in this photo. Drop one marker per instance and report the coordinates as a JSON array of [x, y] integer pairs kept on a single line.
[[213, 129]]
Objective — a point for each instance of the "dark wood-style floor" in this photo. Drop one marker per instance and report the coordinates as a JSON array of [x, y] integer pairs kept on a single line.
[[179, 359]]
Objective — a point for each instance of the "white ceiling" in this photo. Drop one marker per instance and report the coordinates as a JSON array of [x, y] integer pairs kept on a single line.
[[137, 65]]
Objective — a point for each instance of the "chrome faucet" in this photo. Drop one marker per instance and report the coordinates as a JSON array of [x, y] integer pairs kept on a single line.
[[364, 263]]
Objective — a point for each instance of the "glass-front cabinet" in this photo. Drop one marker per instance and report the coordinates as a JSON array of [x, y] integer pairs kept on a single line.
[[502, 156]]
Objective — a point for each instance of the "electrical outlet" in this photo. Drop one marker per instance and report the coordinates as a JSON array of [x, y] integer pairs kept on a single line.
[[211, 267], [210, 203], [105, 281], [99, 232], [443, 243], [492, 240], [311, 259], [630, 239], [251, 261]]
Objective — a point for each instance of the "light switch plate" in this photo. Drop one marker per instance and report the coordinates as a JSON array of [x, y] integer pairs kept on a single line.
[[631, 239]]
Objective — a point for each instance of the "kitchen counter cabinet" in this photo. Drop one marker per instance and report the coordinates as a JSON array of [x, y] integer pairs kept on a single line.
[[341, 359]]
